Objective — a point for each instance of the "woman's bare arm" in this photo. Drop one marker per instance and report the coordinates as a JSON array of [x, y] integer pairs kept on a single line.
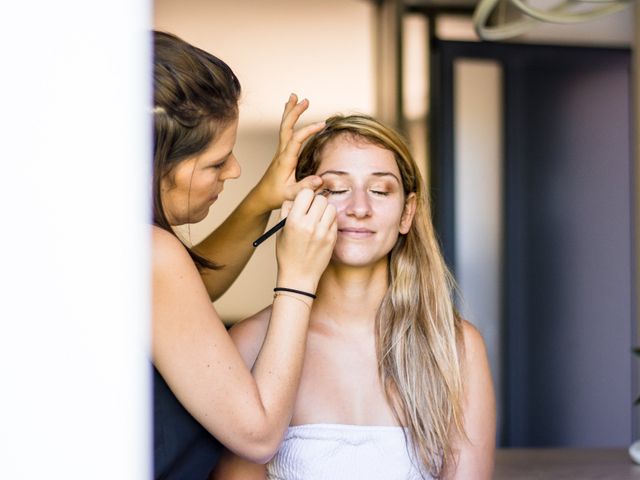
[[196, 357], [248, 336], [231, 243], [476, 453]]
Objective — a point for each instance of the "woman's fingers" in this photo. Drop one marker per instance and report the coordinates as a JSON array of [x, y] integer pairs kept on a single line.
[[285, 209], [305, 245], [312, 182], [317, 208], [309, 205], [289, 104], [292, 112], [329, 217], [279, 183], [302, 203], [286, 129], [289, 154]]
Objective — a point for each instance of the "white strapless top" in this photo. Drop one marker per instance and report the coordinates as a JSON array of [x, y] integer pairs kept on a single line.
[[349, 452]]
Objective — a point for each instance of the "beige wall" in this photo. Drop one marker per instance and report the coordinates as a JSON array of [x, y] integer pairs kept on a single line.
[[320, 50]]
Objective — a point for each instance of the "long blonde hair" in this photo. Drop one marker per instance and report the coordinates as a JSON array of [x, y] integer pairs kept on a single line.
[[418, 332]]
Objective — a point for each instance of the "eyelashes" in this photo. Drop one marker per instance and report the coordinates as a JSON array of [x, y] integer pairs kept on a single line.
[[222, 162], [328, 191]]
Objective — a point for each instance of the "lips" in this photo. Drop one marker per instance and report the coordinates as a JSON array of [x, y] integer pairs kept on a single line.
[[355, 232]]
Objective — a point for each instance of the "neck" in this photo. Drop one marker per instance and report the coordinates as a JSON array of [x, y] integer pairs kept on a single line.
[[351, 295]]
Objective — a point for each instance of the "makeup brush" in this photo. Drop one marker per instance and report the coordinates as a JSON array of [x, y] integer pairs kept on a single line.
[[278, 226], [269, 232]]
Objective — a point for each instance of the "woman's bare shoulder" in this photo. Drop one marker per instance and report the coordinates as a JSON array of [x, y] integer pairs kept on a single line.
[[477, 372], [471, 334], [166, 246], [476, 450], [474, 345], [248, 335], [176, 280], [169, 255]]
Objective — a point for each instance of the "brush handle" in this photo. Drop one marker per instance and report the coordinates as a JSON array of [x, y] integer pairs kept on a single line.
[[269, 232]]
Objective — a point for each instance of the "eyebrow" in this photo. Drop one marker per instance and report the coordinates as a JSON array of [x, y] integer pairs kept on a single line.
[[375, 174]]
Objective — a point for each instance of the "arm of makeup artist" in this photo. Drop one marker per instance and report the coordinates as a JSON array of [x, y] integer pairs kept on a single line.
[[245, 410], [248, 221]]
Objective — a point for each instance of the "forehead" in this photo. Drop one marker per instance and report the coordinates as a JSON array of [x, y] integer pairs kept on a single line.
[[356, 156]]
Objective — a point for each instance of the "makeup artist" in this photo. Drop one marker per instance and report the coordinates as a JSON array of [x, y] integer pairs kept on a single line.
[[204, 395]]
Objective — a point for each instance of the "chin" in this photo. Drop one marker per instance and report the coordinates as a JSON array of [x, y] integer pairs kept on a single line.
[[192, 219], [353, 259], [200, 215]]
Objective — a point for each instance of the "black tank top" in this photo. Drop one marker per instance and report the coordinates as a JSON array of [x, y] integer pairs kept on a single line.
[[183, 449]]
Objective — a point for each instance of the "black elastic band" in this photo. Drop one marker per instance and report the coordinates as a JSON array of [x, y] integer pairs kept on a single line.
[[283, 289]]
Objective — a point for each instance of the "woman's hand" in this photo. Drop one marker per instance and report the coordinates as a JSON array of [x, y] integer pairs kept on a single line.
[[305, 244], [278, 184]]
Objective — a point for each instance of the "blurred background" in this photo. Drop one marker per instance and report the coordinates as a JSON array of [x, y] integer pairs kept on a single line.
[[527, 148]]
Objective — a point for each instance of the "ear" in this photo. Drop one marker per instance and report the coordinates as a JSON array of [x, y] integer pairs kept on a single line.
[[407, 214]]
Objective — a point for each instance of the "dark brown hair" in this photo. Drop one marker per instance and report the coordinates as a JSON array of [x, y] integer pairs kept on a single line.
[[195, 95]]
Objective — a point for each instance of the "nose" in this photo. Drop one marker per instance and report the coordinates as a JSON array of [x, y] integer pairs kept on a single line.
[[358, 204], [232, 169]]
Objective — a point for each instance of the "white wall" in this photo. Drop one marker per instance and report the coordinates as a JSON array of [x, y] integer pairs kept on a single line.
[[319, 50], [74, 250]]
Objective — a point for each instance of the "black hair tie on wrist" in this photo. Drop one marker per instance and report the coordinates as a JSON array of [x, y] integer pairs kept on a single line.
[[283, 289]]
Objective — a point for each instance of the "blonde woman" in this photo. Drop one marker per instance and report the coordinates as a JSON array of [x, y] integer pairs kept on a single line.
[[394, 384]]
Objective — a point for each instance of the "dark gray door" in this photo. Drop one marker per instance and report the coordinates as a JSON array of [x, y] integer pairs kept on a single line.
[[567, 325]]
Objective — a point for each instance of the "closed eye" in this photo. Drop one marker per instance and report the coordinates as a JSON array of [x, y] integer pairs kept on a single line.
[[222, 161], [333, 192], [379, 192]]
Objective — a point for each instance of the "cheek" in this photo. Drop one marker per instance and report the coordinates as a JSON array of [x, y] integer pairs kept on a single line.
[[389, 214], [181, 176], [340, 202], [205, 179]]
